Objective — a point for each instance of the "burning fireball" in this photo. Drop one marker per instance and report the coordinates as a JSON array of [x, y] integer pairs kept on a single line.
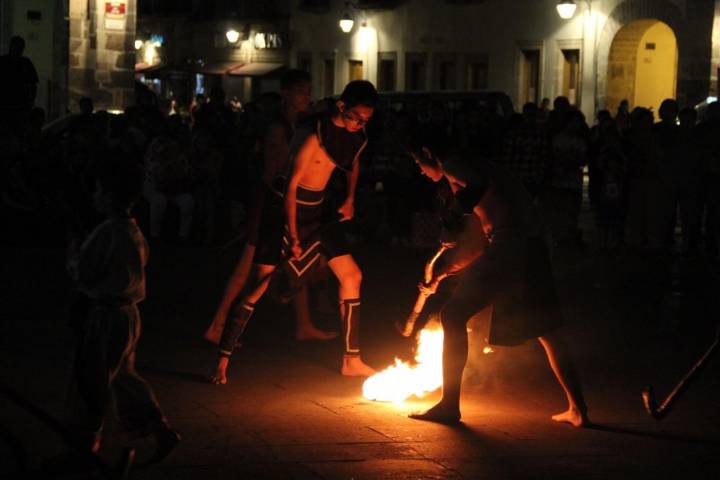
[[403, 380]]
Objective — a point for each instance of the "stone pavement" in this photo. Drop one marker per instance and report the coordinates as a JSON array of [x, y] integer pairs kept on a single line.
[[286, 413]]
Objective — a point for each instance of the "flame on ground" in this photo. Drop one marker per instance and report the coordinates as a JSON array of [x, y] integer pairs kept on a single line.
[[403, 380]]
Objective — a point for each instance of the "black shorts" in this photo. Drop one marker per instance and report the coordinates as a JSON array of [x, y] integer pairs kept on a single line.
[[318, 237]]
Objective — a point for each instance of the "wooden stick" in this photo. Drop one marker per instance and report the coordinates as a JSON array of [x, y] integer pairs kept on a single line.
[[648, 395]]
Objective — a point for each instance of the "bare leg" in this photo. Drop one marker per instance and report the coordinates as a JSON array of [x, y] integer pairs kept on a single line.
[[304, 328], [319, 282], [455, 351], [237, 282], [262, 273], [350, 277], [562, 367]]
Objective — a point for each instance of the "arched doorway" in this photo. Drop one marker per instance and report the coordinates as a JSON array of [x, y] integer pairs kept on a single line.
[[642, 65]]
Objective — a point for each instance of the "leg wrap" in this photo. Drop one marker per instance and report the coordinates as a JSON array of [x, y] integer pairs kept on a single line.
[[351, 325], [234, 326]]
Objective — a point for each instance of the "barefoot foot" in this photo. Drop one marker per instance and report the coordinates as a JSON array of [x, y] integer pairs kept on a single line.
[[573, 416], [220, 376], [440, 414], [218, 379], [353, 366], [314, 334]]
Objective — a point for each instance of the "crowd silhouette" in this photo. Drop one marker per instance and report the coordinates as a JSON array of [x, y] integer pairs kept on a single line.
[[650, 184]]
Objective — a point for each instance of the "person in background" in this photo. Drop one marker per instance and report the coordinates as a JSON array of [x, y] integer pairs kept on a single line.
[[168, 178]]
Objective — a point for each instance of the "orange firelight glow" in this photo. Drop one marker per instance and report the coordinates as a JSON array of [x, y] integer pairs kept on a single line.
[[403, 380]]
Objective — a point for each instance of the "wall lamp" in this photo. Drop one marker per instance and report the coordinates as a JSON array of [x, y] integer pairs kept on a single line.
[[347, 22], [232, 35], [566, 8]]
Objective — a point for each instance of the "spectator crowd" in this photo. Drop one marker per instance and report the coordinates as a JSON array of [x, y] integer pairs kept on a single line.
[[651, 185]]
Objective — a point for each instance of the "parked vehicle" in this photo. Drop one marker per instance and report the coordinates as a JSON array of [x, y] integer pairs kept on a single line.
[[495, 101]]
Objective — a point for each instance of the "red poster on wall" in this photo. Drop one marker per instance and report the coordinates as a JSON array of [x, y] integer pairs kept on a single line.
[[114, 8]]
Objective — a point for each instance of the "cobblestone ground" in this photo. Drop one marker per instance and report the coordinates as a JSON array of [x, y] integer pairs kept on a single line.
[[286, 412]]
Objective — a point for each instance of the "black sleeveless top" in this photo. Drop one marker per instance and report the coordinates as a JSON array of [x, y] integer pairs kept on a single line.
[[343, 147]]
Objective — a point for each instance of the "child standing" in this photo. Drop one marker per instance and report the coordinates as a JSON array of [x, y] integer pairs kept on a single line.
[[108, 268]]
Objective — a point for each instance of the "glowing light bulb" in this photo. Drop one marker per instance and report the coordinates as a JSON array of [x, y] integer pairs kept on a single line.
[[346, 23], [232, 36], [566, 9]]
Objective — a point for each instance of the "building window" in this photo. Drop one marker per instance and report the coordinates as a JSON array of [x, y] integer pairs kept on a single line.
[[304, 62], [530, 81], [477, 75], [328, 87], [415, 71], [355, 70], [571, 75], [446, 74], [386, 71]]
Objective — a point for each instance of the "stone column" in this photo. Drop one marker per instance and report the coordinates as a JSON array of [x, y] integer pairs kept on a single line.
[[101, 63], [694, 84], [715, 53], [589, 71]]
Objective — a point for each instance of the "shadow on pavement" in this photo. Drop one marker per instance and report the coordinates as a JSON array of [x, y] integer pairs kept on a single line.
[[657, 435], [186, 376]]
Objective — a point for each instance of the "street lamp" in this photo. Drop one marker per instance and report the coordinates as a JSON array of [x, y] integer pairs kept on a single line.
[[232, 35], [566, 9], [346, 22], [139, 44]]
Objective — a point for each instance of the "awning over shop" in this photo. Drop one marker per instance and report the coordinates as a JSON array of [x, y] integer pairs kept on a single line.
[[217, 68], [255, 69], [148, 67]]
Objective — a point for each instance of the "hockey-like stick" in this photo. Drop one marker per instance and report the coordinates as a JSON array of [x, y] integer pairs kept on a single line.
[[648, 395], [406, 328]]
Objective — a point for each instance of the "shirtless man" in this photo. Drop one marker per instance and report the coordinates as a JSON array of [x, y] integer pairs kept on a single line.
[[509, 270], [266, 217], [335, 141]]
